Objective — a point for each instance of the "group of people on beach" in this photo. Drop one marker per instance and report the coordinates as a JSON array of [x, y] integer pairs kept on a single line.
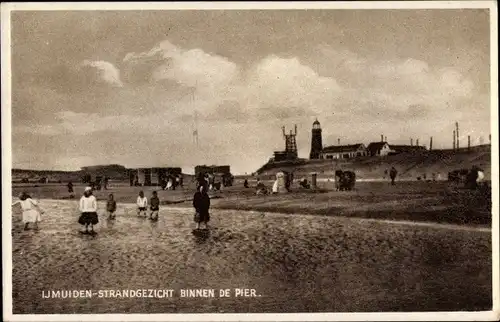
[[88, 208]]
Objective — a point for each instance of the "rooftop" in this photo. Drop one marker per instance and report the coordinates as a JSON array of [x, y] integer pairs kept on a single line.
[[343, 148]]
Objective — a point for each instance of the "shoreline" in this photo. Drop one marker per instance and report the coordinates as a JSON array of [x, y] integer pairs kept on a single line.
[[383, 216]]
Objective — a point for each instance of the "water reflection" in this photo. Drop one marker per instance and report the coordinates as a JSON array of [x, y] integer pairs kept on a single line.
[[201, 235]]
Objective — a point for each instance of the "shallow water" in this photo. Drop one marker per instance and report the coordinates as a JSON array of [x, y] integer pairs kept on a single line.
[[295, 263]]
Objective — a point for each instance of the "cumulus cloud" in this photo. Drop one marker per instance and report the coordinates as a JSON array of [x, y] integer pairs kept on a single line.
[[242, 108], [107, 71], [281, 82], [193, 67], [274, 86]]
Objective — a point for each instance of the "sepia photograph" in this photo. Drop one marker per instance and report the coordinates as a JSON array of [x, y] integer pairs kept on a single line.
[[226, 158]]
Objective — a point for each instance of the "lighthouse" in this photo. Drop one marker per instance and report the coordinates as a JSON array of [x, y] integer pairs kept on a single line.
[[316, 141]]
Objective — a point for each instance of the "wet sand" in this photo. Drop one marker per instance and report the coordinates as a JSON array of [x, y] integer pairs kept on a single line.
[[296, 263]]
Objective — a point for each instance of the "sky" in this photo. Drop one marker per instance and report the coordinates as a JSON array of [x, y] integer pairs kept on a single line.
[[101, 87]]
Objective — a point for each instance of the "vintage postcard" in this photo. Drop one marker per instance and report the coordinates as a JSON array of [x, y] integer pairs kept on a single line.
[[250, 161]]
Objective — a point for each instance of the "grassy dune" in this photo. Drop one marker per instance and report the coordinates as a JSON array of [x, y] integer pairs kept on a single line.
[[409, 165], [295, 263]]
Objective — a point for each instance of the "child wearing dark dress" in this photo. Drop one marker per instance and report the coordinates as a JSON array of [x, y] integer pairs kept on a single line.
[[154, 206], [111, 207], [201, 204]]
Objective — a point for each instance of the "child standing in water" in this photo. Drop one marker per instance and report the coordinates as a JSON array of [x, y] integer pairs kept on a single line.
[[155, 206], [88, 208], [31, 211], [201, 203], [142, 204], [111, 207], [70, 190]]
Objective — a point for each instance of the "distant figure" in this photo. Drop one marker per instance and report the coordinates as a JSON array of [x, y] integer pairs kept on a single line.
[[98, 182], [201, 203], [275, 186], [106, 180], [70, 190], [385, 173], [174, 182], [142, 204], [181, 181], [211, 182], [338, 177], [304, 184], [88, 209], [111, 207], [31, 211], [245, 184], [169, 184], [344, 180], [260, 188], [480, 176], [471, 178], [393, 173], [154, 206]]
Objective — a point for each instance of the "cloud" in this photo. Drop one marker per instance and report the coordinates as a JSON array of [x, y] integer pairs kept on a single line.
[[107, 72], [287, 83], [242, 108], [192, 68], [222, 90]]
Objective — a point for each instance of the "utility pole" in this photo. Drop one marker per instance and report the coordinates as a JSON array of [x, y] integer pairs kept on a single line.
[[195, 132], [458, 136], [430, 144], [454, 140]]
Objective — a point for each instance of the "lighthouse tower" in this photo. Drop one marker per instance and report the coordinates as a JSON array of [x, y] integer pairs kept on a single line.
[[316, 141]]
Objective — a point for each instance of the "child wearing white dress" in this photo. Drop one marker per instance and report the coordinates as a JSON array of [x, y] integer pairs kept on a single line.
[[142, 204], [31, 210]]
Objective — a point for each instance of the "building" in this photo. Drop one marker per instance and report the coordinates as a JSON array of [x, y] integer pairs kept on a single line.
[[112, 171], [212, 169], [379, 149], [152, 176], [316, 141], [407, 148], [343, 151]]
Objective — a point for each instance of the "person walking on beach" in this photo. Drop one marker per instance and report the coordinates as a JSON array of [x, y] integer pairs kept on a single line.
[[111, 207], [393, 173], [201, 203], [142, 204], [70, 190], [88, 209], [154, 206], [31, 211]]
